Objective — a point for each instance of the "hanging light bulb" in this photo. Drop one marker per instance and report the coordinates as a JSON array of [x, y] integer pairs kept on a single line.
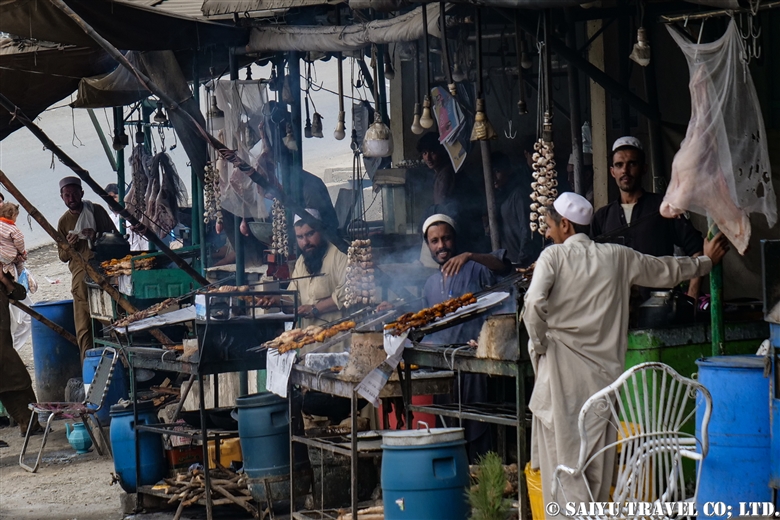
[[340, 132], [289, 139], [641, 52], [140, 136], [307, 129], [216, 115], [457, 73], [482, 130], [120, 140], [426, 121], [389, 70], [159, 116], [416, 126], [522, 108], [316, 125], [525, 59], [378, 141]]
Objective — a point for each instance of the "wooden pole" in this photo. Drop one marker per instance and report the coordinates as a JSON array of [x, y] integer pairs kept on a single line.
[[46, 321], [87, 178], [75, 255]]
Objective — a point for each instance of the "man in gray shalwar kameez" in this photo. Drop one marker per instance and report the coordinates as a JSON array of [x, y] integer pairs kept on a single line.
[[576, 314]]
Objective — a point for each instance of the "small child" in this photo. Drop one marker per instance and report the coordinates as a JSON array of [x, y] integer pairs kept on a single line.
[[12, 251]]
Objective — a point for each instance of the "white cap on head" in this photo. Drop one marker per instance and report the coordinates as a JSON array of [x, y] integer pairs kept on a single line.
[[627, 140], [313, 212], [438, 218], [574, 208], [67, 181]]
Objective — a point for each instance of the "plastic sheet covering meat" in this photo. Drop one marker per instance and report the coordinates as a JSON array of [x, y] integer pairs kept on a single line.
[[722, 168], [243, 103]]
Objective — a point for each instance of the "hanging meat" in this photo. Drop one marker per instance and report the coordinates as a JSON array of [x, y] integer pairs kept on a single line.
[[135, 199], [168, 193], [544, 186], [361, 287]]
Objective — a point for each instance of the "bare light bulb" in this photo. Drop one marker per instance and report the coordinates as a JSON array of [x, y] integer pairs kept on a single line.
[[340, 133], [416, 127], [525, 58], [457, 73], [426, 121]]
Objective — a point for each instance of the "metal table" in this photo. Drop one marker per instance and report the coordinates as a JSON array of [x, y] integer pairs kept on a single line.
[[330, 383], [227, 329]]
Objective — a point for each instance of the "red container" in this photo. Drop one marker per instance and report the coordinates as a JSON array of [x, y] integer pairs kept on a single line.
[[419, 400]]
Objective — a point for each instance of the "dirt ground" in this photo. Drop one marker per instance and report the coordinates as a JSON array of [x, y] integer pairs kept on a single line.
[[67, 486]]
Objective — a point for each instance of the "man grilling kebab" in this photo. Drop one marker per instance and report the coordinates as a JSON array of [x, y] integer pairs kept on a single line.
[[460, 273]]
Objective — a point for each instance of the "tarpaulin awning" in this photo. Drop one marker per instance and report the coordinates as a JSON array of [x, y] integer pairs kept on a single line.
[[127, 25], [339, 38], [34, 75]]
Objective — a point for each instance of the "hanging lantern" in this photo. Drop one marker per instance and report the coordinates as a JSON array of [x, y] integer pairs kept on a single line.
[[482, 130], [641, 52], [378, 141], [159, 116]]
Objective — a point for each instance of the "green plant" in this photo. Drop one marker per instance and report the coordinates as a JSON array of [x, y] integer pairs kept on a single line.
[[486, 496]]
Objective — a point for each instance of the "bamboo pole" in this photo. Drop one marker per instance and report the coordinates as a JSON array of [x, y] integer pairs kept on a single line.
[[75, 255], [46, 321], [87, 178]]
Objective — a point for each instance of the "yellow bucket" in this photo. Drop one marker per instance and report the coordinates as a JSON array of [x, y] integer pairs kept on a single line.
[[230, 450], [533, 480]]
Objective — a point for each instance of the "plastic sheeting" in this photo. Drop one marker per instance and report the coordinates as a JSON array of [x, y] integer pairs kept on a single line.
[[403, 28], [243, 103], [722, 169]]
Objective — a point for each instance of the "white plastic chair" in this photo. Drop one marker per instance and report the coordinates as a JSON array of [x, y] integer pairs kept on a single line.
[[648, 406]]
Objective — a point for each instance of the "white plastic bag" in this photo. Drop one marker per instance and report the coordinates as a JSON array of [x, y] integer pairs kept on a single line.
[[722, 169]]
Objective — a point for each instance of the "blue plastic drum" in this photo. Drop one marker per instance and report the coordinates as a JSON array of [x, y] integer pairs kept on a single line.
[[56, 359], [425, 474], [736, 468], [152, 461]]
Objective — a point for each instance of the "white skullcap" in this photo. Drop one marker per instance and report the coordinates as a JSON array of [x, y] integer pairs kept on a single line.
[[313, 212], [573, 207], [437, 219], [67, 181], [627, 141]]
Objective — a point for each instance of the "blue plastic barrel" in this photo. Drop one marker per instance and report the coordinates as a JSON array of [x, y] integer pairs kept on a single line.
[[264, 432], [118, 389], [425, 474], [56, 359], [152, 461], [774, 389], [736, 469]]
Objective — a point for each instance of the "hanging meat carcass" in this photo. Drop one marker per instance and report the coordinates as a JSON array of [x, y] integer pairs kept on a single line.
[[169, 195], [135, 199]]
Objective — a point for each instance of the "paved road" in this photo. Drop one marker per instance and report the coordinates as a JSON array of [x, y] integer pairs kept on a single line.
[[30, 167]]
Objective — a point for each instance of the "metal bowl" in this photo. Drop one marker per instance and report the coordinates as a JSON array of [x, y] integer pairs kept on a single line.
[[263, 231]]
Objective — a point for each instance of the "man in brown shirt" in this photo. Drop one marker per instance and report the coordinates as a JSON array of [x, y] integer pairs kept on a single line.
[[81, 224]]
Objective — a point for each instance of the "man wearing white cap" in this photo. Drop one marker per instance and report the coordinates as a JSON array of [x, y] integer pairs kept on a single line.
[[320, 299], [634, 219], [80, 224], [576, 314], [460, 273]]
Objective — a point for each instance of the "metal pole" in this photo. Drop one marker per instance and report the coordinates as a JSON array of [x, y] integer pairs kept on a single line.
[[717, 328], [119, 129], [484, 146], [89, 181], [196, 188], [654, 128], [102, 137], [574, 107]]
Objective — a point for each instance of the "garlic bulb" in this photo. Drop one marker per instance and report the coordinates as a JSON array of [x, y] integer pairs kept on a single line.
[[544, 188], [212, 202], [280, 241], [361, 286]]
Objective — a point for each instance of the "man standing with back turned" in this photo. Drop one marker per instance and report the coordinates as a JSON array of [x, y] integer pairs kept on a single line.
[[576, 314], [81, 224]]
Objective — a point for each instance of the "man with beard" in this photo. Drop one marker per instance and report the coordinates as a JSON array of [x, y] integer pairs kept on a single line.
[[81, 225], [634, 219], [461, 273], [321, 299]]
